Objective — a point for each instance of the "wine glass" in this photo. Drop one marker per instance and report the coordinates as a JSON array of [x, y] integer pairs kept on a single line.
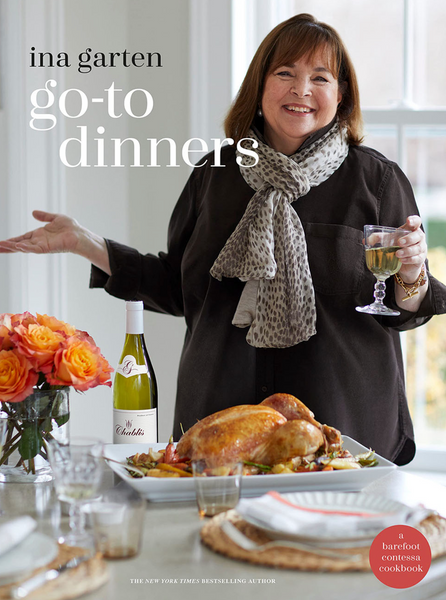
[[381, 245], [77, 469], [3, 432], [3, 428]]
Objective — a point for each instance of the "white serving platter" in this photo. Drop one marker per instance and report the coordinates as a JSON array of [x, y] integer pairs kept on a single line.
[[182, 488]]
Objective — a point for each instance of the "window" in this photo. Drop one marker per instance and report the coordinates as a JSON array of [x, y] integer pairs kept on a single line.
[[397, 48]]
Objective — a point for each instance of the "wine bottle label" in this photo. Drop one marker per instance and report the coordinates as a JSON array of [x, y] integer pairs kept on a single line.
[[134, 426], [129, 368]]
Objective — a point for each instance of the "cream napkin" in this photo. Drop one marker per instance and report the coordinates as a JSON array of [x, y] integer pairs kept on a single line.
[[281, 513], [14, 531]]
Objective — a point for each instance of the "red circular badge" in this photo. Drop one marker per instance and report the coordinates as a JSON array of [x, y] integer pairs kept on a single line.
[[400, 556]]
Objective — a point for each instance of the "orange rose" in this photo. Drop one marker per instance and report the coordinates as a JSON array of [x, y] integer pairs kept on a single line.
[[56, 325], [80, 364], [5, 339], [17, 378], [5, 329], [84, 336], [5, 319], [39, 344], [24, 319], [105, 370]]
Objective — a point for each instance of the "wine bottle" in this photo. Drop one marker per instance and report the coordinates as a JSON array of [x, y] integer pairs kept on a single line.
[[135, 400]]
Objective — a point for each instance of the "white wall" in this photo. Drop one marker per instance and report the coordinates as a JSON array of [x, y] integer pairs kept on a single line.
[[129, 205], [132, 205], [3, 166]]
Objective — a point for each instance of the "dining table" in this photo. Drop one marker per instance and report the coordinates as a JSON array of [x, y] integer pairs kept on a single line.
[[175, 564]]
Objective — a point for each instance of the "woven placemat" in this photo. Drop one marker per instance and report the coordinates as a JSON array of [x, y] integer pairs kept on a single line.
[[434, 528], [84, 578]]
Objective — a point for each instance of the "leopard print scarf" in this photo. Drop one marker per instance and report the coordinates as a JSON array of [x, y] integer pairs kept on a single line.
[[268, 248]]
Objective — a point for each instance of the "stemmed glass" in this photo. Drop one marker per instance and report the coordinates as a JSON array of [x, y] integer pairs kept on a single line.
[[3, 428], [77, 469], [381, 244], [3, 432]]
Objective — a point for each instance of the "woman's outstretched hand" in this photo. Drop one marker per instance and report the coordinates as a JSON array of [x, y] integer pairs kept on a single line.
[[60, 234]]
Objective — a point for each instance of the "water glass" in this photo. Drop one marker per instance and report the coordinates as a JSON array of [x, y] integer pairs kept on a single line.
[[217, 489], [117, 520]]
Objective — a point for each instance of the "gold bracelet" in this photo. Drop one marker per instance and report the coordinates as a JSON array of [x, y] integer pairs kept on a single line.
[[411, 289]]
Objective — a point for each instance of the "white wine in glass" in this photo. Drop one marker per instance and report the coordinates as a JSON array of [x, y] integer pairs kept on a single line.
[[381, 245]]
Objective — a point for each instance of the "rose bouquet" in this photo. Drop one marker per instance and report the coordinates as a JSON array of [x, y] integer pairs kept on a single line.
[[40, 359]]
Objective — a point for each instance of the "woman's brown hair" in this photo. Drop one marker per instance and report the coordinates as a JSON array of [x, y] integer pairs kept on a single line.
[[288, 42]]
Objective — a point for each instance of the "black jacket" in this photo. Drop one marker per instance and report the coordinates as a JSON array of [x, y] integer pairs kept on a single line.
[[350, 374]]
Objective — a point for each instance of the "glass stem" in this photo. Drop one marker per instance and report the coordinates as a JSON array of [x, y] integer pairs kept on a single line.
[[77, 518], [379, 292]]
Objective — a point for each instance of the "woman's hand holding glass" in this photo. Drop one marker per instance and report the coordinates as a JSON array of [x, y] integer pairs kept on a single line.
[[390, 250], [413, 251], [381, 247], [412, 255]]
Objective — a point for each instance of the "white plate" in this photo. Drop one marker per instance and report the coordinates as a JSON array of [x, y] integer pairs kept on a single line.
[[37, 550], [374, 506], [182, 488]]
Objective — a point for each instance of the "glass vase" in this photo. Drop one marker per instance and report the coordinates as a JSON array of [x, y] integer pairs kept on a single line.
[[42, 416]]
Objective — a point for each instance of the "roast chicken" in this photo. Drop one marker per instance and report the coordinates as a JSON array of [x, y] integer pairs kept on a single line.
[[276, 430]]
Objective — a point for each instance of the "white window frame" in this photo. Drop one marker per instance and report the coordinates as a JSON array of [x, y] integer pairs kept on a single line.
[[406, 113], [403, 115]]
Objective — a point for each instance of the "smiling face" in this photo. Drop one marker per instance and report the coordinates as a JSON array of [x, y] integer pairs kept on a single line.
[[298, 99]]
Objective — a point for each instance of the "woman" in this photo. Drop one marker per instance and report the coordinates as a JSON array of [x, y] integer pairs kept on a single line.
[[265, 261]]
